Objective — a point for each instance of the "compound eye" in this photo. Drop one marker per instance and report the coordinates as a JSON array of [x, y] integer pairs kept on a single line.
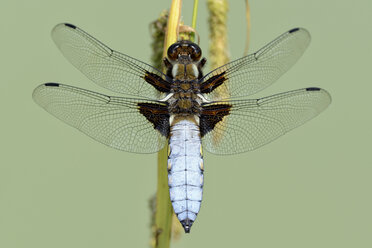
[[173, 51], [196, 52]]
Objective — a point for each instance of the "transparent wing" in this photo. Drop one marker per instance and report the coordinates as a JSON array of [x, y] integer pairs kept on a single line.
[[256, 122], [104, 66], [252, 73], [113, 121]]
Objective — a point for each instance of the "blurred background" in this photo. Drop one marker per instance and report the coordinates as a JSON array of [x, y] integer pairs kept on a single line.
[[310, 188]]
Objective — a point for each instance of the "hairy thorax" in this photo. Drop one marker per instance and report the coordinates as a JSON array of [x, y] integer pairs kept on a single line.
[[185, 100], [184, 66]]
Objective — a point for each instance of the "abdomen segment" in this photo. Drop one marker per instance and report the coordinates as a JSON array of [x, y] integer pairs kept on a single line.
[[185, 171]]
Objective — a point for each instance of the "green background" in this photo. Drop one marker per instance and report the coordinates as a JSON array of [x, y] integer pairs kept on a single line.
[[310, 188]]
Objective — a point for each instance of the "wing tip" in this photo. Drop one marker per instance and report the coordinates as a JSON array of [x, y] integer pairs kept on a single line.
[[70, 25], [52, 84], [37, 90], [321, 91], [293, 30], [313, 89], [62, 26], [302, 30]]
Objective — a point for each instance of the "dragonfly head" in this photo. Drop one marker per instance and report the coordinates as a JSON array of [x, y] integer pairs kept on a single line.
[[184, 51]]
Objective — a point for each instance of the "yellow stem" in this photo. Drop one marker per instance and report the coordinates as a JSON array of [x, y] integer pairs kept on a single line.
[[164, 211], [172, 27]]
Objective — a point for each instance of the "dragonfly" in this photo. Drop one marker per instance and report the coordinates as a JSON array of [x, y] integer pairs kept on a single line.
[[181, 108]]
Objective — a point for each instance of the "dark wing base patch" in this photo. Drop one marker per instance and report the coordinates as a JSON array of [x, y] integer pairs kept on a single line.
[[211, 115], [158, 115], [212, 83], [157, 82]]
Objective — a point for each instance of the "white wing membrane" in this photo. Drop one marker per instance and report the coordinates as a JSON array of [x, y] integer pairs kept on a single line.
[[113, 121], [252, 73], [256, 122], [108, 68], [118, 122]]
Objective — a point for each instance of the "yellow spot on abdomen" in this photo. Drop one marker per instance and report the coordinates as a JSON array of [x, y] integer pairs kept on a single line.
[[201, 165]]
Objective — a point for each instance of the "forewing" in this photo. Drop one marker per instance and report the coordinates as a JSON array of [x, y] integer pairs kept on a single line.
[[113, 121], [108, 68], [252, 73], [249, 124]]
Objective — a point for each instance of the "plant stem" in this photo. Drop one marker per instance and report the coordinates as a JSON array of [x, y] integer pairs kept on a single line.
[[172, 27], [164, 211], [193, 22], [163, 216], [194, 14], [218, 52], [157, 30]]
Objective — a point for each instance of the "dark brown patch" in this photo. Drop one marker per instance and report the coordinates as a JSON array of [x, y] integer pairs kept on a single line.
[[168, 65], [157, 114], [211, 115], [202, 62], [212, 83], [158, 82], [200, 67]]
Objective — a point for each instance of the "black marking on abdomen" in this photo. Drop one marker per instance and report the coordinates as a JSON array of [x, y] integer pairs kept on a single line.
[[293, 30], [187, 223], [312, 89], [211, 115], [70, 25], [157, 114], [52, 84], [157, 82]]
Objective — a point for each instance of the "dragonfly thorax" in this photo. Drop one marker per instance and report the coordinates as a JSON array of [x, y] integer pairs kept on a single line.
[[185, 71], [184, 104]]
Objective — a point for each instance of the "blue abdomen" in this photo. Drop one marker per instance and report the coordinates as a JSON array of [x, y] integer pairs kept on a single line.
[[185, 171]]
